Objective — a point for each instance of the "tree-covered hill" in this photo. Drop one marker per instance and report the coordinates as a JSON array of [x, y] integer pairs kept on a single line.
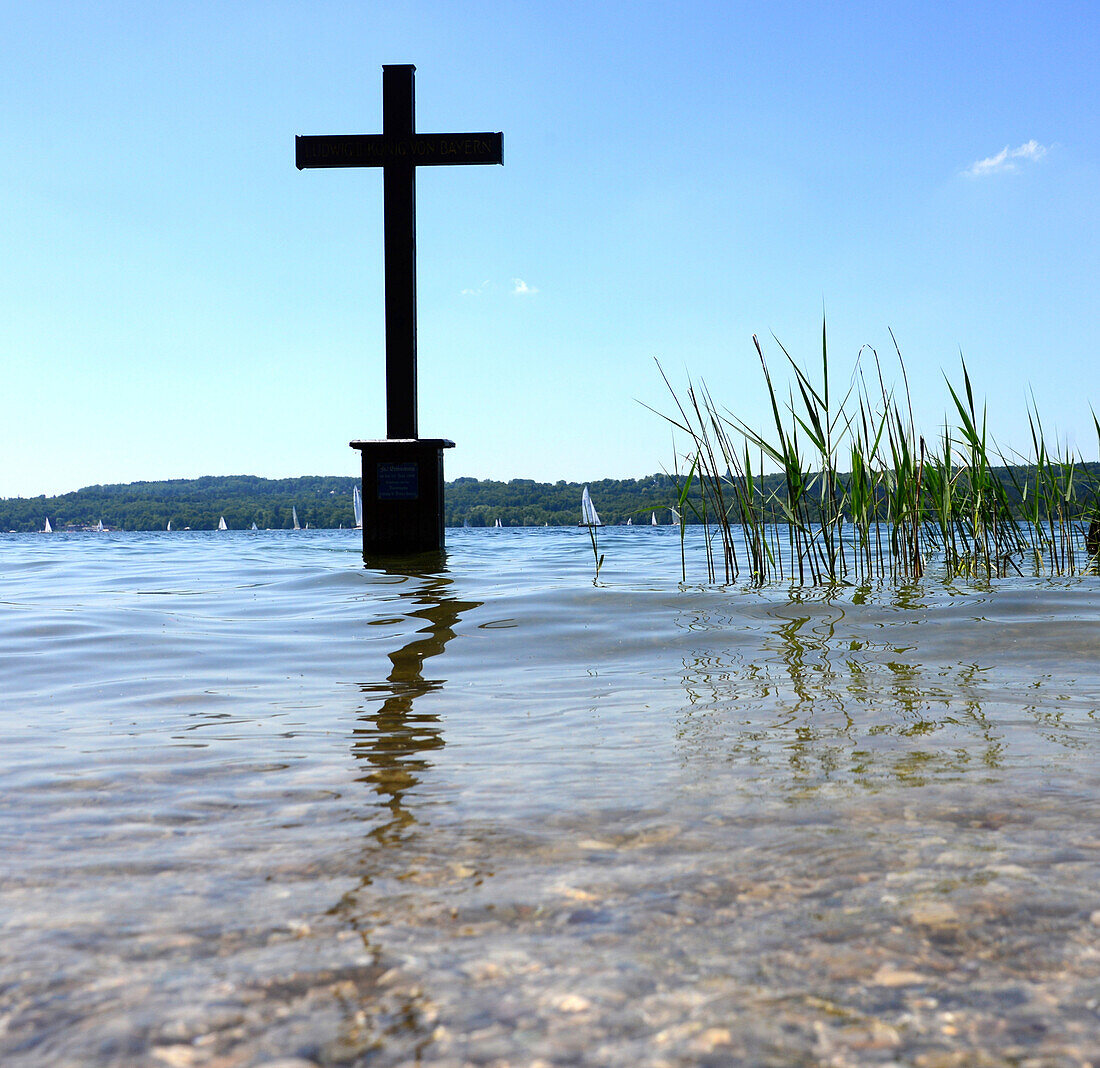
[[522, 502], [324, 501], [197, 503]]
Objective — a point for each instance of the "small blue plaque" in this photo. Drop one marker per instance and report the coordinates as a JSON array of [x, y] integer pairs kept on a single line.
[[398, 481]]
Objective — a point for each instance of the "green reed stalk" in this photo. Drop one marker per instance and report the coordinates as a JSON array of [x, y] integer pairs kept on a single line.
[[679, 513], [940, 479], [994, 535], [823, 426], [597, 556]]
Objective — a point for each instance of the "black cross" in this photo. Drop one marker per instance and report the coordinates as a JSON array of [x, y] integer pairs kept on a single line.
[[399, 150]]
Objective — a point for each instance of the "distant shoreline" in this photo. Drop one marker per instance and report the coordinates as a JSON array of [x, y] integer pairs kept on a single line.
[[324, 502]]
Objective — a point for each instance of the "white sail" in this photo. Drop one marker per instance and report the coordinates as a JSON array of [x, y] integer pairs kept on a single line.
[[653, 518], [589, 516], [357, 506], [169, 527], [630, 521], [99, 527], [47, 529], [221, 524], [498, 523], [294, 513], [254, 527]]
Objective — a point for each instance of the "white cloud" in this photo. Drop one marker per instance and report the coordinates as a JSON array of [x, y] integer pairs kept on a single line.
[[1006, 159], [519, 288]]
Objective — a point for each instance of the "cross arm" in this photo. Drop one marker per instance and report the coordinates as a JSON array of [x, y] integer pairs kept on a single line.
[[380, 150]]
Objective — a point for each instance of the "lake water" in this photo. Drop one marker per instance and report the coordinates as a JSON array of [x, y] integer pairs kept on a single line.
[[259, 803]]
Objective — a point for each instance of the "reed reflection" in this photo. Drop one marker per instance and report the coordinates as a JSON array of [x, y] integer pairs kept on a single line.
[[830, 692], [394, 740]]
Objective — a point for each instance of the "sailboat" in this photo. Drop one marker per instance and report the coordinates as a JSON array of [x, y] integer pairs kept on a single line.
[[47, 529], [254, 527], [169, 527], [630, 521], [294, 513], [357, 506], [221, 524], [498, 523], [589, 516], [652, 519], [99, 527]]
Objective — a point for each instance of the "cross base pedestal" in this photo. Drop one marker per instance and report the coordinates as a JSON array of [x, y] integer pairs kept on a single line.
[[402, 495]]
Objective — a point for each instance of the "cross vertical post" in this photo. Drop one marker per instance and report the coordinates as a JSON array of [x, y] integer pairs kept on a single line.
[[399, 210]]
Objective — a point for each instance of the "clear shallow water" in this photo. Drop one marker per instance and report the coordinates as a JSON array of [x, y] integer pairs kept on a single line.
[[257, 801]]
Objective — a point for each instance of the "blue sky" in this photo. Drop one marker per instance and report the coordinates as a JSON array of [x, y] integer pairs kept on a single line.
[[176, 299]]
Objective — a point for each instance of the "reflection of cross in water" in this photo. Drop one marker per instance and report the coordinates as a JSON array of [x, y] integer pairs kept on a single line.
[[395, 740]]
